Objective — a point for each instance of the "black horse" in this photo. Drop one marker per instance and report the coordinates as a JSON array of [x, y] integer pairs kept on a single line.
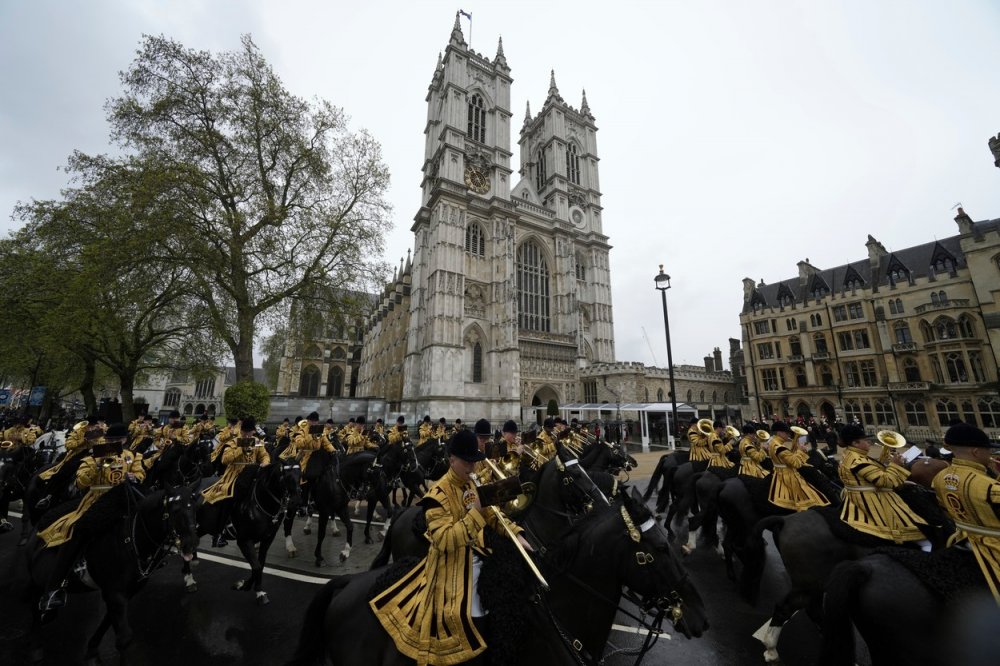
[[662, 479], [121, 559], [587, 565], [261, 496], [180, 464], [15, 480]]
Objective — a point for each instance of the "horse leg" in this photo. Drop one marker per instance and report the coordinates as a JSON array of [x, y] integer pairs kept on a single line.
[[25, 527], [349, 527], [190, 584], [265, 545], [117, 605], [307, 527], [91, 657], [770, 632], [320, 535], [250, 555], [287, 527], [388, 517], [334, 527]]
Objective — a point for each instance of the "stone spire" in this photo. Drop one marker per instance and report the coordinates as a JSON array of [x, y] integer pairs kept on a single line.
[[409, 263], [457, 38], [527, 112], [584, 107], [553, 89], [500, 60]]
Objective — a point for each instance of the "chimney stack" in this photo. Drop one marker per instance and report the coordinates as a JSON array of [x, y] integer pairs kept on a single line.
[[709, 364], [718, 359]]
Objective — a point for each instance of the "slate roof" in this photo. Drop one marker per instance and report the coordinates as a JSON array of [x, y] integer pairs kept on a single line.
[[917, 260]]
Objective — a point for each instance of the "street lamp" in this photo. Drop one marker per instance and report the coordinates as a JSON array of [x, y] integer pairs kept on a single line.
[[662, 281]]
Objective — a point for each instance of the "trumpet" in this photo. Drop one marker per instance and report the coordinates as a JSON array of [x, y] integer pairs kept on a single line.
[[505, 523], [891, 441]]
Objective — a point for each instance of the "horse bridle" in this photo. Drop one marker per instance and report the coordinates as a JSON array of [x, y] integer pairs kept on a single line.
[[281, 501]]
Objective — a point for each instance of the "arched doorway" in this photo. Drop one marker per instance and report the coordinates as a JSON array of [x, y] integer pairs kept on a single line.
[[827, 410], [802, 409], [540, 402]]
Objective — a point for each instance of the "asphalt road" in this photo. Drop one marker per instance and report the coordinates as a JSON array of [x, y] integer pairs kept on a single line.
[[219, 626]]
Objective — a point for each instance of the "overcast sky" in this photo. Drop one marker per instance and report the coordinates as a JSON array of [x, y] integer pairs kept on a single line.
[[736, 138]]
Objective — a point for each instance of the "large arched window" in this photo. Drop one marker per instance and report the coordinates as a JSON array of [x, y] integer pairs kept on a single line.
[[532, 288], [309, 382], [477, 119], [819, 342], [956, 368], [540, 170], [205, 388], [312, 351], [477, 363], [989, 412], [335, 382], [172, 398], [947, 412], [965, 327], [916, 413], [911, 370], [572, 164], [475, 239]]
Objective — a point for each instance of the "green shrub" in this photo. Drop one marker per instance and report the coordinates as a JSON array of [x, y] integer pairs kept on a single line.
[[247, 398]]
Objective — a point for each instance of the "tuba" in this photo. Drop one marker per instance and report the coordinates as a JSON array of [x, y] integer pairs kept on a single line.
[[890, 441], [705, 427], [762, 435], [732, 432]]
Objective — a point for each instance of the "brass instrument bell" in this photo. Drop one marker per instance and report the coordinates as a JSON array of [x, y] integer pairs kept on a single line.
[[705, 427], [732, 432], [890, 441], [762, 435]]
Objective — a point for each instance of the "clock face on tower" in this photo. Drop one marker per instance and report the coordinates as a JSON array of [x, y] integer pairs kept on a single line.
[[476, 180], [579, 221]]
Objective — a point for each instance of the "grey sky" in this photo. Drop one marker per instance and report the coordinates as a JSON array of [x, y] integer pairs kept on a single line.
[[735, 138]]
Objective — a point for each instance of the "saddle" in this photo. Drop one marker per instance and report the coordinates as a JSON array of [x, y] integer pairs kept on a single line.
[[950, 574], [845, 532]]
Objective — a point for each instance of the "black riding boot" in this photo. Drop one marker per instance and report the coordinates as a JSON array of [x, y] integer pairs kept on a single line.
[[55, 587]]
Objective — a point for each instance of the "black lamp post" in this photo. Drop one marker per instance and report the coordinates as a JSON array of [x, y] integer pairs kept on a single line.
[[662, 281]]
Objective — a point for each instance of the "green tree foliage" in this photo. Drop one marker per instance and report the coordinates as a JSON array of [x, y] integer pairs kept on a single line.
[[247, 398], [274, 195]]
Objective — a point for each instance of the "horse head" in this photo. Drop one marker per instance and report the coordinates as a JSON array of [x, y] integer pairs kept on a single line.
[[180, 506], [291, 476], [576, 477], [619, 460], [654, 573]]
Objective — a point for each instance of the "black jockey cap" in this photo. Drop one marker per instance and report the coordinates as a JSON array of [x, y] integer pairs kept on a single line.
[[329, 421], [286, 420], [313, 416], [351, 420], [718, 424], [458, 422], [175, 414], [232, 420], [401, 419], [748, 429], [147, 417], [248, 424], [483, 428], [851, 433], [549, 423], [378, 421], [441, 420], [465, 445], [359, 421], [116, 431], [574, 421], [963, 434], [204, 416], [510, 426], [693, 421], [427, 418], [779, 426]]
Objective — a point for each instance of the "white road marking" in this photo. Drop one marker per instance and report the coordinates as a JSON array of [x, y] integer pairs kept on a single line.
[[317, 580]]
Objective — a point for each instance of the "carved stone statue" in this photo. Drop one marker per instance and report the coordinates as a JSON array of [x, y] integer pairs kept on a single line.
[[995, 149]]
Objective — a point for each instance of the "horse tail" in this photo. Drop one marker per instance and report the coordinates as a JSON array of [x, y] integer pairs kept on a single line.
[[385, 553], [754, 555], [310, 647], [841, 595]]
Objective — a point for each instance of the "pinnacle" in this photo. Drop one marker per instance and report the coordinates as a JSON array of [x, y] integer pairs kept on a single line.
[[500, 47], [527, 111], [457, 38], [584, 107]]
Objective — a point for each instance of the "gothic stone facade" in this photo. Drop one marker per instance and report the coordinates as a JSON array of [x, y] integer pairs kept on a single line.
[[509, 288], [905, 341]]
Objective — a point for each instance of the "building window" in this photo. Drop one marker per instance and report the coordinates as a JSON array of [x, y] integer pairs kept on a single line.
[[965, 327], [590, 391], [883, 413], [532, 288], [899, 305], [947, 412], [911, 370], [477, 363], [690, 394], [943, 265], [892, 306], [869, 376], [969, 414], [762, 327], [956, 368], [866, 407], [205, 388], [942, 298], [826, 375], [898, 274], [188, 408], [477, 119], [840, 313], [855, 311], [815, 320], [764, 350], [581, 270], [769, 379], [989, 412], [338, 353], [540, 171], [851, 374], [795, 345], [335, 382], [819, 341], [800, 377], [916, 413], [475, 239], [902, 331], [172, 398], [852, 411], [572, 164], [659, 395], [309, 382], [977, 367], [845, 340], [945, 329]]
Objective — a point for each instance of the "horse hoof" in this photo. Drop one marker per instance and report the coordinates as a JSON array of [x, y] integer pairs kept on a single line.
[[686, 550], [193, 587], [369, 540], [343, 558], [306, 530], [335, 533], [262, 599], [320, 562], [292, 553], [239, 585]]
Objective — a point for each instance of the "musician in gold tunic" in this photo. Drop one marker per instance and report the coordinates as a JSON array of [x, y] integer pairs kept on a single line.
[[108, 466], [700, 449], [237, 453], [431, 613], [399, 433], [720, 446], [171, 433], [548, 439], [22, 434], [441, 430], [751, 455], [788, 489], [971, 496], [59, 476], [870, 503], [357, 440], [425, 431]]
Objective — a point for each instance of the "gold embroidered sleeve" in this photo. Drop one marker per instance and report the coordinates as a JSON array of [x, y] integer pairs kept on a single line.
[[262, 456], [137, 469], [889, 477], [86, 473], [791, 459], [231, 454], [448, 534]]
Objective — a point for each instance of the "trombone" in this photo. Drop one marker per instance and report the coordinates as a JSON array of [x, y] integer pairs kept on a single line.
[[505, 523]]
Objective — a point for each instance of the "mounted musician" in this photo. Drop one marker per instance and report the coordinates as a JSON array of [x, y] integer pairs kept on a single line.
[[139, 431], [358, 440], [721, 443], [400, 433], [548, 438], [698, 434], [870, 503], [345, 431], [751, 455], [969, 492], [21, 434], [788, 489], [426, 431], [203, 429], [108, 465], [173, 432], [441, 430], [78, 444], [237, 454], [433, 613], [282, 430], [379, 428]]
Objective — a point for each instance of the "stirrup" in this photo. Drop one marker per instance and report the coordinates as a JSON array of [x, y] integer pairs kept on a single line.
[[43, 503], [55, 599]]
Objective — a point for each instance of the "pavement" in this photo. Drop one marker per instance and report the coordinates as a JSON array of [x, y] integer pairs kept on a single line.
[[219, 626]]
